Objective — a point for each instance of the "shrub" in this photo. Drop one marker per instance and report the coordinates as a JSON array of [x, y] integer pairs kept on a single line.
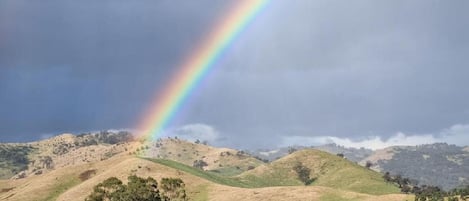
[[139, 189], [303, 173], [173, 189]]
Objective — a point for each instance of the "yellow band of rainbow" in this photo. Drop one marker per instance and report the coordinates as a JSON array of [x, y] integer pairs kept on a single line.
[[196, 66]]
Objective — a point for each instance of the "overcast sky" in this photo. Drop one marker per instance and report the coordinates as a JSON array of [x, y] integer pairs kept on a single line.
[[371, 72]]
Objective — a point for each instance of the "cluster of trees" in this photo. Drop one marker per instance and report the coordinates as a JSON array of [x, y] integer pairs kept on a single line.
[[432, 193], [427, 192], [139, 189]]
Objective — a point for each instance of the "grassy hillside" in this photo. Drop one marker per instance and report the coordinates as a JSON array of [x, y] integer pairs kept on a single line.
[[329, 170], [208, 175], [66, 183], [78, 164], [225, 161]]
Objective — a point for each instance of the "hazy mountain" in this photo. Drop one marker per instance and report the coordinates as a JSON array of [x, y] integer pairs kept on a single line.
[[437, 164]]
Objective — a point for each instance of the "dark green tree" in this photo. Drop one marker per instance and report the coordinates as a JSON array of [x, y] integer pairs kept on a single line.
[[303, 173], [137, 189], [173, 189], [199, 164]]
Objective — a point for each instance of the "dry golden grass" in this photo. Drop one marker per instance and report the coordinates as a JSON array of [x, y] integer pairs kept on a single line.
[[64, 183], [187, 152], [300, 193]]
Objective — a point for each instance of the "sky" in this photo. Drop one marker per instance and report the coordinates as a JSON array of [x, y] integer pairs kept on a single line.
[[356, 73]]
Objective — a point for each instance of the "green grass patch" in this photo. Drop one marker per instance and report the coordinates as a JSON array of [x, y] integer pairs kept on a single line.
[[355, 178], [61, 186], [329, 171], [211, 176], [227, 171]]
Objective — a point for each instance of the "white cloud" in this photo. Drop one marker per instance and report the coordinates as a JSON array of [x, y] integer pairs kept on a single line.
[[46, 136], [457, 134], [198, 131]]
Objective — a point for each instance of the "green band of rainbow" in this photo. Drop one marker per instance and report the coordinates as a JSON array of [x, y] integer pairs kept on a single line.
[[196, 66]]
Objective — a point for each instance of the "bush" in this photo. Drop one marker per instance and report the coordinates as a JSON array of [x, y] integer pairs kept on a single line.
[[172, 189], [87, 174], [139, 189], [303, 173], [199, 164]]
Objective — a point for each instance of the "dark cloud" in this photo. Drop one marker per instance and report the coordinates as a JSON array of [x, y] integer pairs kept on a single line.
[[302, 68]]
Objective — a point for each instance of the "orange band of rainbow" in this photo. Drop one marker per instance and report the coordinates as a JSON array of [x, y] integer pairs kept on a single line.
[[196, 66]]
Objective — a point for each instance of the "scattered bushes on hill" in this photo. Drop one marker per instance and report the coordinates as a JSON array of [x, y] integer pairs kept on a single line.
[[139, 189], [14, 158]]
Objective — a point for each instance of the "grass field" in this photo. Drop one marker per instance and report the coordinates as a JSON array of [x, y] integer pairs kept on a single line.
[[330, 171], [208, 175], [327, 170], [61, 187]]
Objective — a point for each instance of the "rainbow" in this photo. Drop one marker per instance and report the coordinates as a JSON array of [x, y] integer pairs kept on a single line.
[[196, 66]]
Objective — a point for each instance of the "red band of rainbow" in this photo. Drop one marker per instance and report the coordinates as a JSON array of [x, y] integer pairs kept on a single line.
[[196, 66]]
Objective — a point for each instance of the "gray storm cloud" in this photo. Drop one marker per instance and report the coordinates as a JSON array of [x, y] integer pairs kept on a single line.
[[302, 68]]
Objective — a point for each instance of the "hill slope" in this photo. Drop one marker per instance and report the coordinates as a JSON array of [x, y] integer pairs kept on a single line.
[[329, 170], [75, 164], [224, 161], [66, 184]]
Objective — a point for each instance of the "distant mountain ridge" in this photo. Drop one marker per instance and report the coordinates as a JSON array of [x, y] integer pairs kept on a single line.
[[437, 164]]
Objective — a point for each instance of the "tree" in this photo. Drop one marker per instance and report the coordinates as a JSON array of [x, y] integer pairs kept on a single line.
[[47, 162], [387, 177], [173, 189], [291, 150], [137, 188], [303, 173], [199, 164], [368, 164], [106, 190]]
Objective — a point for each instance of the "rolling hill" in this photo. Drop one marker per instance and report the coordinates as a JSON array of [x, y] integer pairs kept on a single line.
[[439, 164], [327, 169], [75, 164]]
